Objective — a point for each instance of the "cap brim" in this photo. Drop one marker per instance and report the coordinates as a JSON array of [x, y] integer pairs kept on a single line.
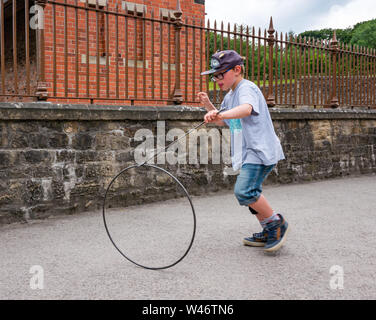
[[208, 72]]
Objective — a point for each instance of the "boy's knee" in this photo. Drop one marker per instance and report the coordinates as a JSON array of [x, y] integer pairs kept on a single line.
[[239, 192], [246, 197]]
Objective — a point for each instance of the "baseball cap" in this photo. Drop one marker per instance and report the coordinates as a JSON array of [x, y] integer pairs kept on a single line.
[[223, 60]]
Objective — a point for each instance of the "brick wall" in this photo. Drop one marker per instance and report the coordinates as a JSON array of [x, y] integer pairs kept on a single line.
[[133, 50]]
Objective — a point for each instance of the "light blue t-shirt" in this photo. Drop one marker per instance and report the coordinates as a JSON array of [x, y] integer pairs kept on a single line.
[[253, 139]]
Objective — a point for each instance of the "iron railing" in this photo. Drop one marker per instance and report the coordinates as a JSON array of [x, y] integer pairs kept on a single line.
[[102, 53]]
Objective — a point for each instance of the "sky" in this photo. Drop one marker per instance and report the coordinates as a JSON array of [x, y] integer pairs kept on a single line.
[[291, 15]]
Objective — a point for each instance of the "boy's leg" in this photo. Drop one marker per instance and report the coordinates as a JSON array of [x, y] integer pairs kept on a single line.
[[275, 227], [262, 207], [248, 187]]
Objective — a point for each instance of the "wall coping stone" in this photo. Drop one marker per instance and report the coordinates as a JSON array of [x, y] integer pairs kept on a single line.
[[48, 111]]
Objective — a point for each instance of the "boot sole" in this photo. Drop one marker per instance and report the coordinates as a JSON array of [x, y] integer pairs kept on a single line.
[[279, 244], [253, 244]]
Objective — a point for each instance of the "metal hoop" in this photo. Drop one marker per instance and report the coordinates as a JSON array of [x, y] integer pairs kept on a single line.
[[186, 194]]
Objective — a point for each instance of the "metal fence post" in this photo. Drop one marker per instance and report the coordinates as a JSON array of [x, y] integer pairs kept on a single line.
[[41, 90], [270, 100], [177, 95], [333, 46]]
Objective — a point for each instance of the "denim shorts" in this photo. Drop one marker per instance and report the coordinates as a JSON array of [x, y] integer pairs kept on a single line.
[[248, 186]]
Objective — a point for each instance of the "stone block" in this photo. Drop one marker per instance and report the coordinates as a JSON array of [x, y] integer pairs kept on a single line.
[[37, 156], [82, 141]]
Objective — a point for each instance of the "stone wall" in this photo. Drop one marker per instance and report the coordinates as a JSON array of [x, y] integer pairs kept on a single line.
[[59, 159]]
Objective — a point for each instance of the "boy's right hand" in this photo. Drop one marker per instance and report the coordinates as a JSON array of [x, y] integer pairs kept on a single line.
[[212, 116], [204, 98]]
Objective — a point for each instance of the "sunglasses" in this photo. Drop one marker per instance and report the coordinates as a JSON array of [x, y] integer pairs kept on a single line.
[[219, 76]]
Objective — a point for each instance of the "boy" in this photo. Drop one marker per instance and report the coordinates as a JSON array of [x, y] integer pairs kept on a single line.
[[255, 148]]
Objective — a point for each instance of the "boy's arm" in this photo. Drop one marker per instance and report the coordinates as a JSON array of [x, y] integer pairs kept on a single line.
[[204, 99], [242, 111]]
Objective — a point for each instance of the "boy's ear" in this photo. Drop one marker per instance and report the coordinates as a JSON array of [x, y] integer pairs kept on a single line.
[[238, 69]]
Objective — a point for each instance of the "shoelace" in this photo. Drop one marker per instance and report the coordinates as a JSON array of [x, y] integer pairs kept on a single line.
[[261, 234]]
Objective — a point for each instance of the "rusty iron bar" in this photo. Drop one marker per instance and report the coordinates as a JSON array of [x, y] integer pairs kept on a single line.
[[215, 88], [340, 74], [367, 75], [193, 62], [253, 55], [362, 72], [2, 45], [241, 40], [290, 70], [246, 54], [357, 102], [276, 46], [373, 74], [76, 49], [228, 35], [311, 83], [135, 62], [41, 90], [325, 78], [66, 49], [54, 49], [117, 50], [221, 92], [270, 100], [347, 75], [87, 49], [160, 57], [207, 53], [201, 55], [258, 57], [15, 71], [144, 54], [177, 94], [152, 57], [295, 71], [317, 52], [97, 45], [234, 34], [106, 53], [300, 46], [186, 29], [281, 65], [264, 69], [286, 66], [304, 70], [27, 47], [169, 58], [323, 74], [126, 59]]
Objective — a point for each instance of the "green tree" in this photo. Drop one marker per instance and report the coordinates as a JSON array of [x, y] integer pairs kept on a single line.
[[343, 35], [364, 34]]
